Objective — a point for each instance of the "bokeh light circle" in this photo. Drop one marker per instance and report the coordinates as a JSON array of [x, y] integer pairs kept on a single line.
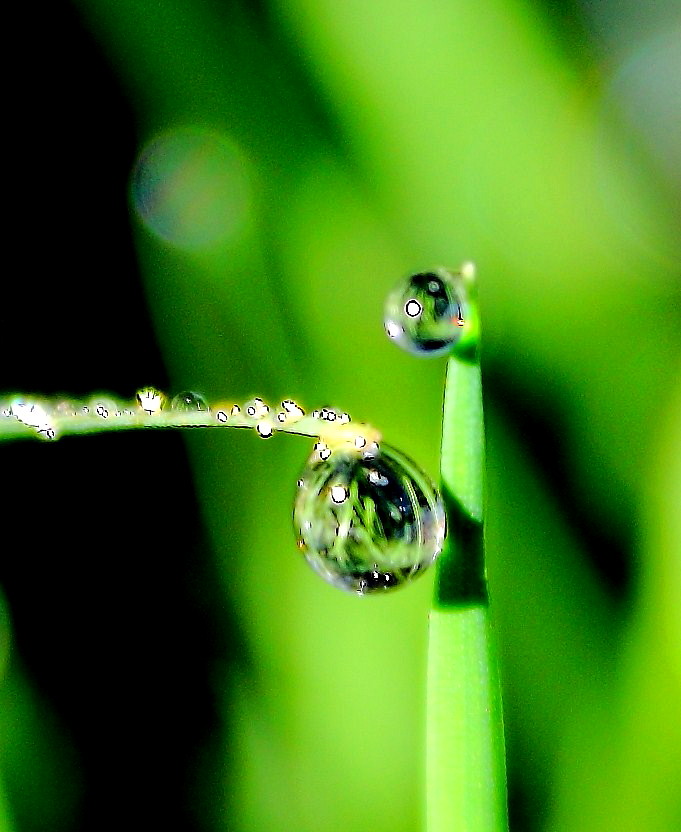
[[189, 186]]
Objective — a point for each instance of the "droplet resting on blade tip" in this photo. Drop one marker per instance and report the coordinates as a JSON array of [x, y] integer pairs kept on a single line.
[[425, 313]]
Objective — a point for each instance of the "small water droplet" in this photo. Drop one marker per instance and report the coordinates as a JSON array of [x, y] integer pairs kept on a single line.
[[189, 402], [264, 429], [150, 400], [221, 416], [425, 313], [256, 408], [293, 410], [368, 524], [321, 451], [328, 414]]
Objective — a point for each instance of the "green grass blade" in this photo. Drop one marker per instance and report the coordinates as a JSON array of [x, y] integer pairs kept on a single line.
[[465, 769], [465, 764]]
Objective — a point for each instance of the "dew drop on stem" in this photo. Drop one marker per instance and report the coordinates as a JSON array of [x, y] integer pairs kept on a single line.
[[367, 523], [189, 402]]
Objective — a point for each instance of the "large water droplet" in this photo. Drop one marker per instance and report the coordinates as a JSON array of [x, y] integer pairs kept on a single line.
[[189, 402], [368, 524], [425, 313]]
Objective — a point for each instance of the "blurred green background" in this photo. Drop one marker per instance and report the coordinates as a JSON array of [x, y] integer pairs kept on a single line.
[[217, 195]]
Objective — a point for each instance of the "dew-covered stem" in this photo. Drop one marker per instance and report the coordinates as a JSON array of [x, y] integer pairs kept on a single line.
[[26, 416], [465, 765]]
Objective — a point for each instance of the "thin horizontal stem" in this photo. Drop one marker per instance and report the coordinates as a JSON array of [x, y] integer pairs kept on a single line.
[[24, 417]]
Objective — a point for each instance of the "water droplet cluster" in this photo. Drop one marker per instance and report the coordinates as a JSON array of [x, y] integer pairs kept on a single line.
[[153, 408], [425, 314], [367, 521]]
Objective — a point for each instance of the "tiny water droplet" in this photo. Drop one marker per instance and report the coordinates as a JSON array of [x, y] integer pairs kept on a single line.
[[189, 402], [103, 407], [150, 400], [425, 313], [264, 429], [256, 408], [367, 524], [293, 410], [328, 414]]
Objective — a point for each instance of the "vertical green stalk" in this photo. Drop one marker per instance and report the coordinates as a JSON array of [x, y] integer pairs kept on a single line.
[[465, 764]]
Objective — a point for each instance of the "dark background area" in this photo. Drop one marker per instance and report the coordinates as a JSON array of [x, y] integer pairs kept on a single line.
[[105, 566]]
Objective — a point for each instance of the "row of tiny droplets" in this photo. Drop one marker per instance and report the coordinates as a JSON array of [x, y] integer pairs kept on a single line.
[[333, 427]]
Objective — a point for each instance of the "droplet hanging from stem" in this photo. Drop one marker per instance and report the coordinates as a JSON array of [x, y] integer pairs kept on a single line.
[[367, 521]]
